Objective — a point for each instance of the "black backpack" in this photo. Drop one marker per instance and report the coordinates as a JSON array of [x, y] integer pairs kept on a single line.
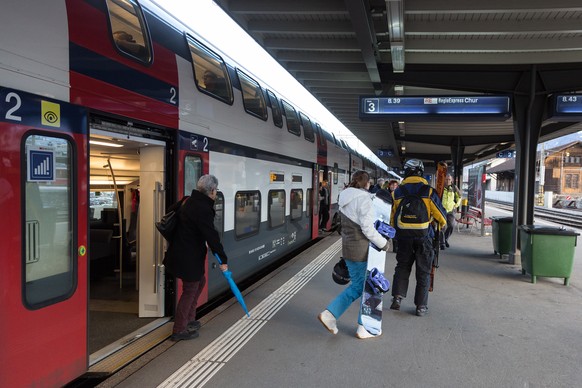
[[411, 217], [167, 225]]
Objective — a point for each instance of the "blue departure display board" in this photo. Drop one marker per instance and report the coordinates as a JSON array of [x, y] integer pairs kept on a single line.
[[567, 107], [569, 103], [451, 108]]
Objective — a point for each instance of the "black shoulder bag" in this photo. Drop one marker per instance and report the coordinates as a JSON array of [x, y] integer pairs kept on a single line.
[[167, 225]]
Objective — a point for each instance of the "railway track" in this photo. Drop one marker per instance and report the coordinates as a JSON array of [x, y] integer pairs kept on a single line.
[[571, 218]]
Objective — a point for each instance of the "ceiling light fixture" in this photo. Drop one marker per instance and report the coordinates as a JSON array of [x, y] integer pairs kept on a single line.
[[105, 143]]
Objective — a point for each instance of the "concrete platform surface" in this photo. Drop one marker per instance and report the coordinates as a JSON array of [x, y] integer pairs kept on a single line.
[[488, 326]]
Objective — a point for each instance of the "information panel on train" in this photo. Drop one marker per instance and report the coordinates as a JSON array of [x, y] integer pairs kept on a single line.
[[431, 108], [566, 107]]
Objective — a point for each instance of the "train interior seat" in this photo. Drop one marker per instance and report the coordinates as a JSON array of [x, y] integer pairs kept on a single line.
[[102, 265], [101, 252]]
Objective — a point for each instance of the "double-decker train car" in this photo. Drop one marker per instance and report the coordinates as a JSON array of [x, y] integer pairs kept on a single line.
[[110, 110]]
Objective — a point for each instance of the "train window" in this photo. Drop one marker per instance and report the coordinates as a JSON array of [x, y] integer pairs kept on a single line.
[[253, 98], [335, 173], [335, 141], [327, 135], [320, 134], [307, 128], [210, 72], [292, 120], [296, 204], [219, 216], [308, 202], [276, 208], [128, 29], [247, 217], [49, 227], [275, 109], [99, 201], [192, 172]]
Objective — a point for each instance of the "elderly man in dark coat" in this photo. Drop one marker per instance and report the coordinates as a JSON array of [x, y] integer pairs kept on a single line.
[[186, 254]]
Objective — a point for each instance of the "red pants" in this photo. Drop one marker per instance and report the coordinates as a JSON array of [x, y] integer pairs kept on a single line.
[[186, 309]]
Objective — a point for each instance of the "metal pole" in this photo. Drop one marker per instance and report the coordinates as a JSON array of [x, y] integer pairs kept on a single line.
[[120, 224]]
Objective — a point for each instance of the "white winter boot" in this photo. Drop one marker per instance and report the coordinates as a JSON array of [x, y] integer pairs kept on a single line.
[[328, 321]]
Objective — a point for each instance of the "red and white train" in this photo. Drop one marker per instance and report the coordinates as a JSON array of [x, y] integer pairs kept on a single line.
[[110, 110]]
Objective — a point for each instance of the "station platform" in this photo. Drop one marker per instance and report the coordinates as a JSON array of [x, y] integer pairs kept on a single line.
[[488, 326]]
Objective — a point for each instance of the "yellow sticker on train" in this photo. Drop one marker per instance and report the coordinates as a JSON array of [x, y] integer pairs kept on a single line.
[[50, 114]]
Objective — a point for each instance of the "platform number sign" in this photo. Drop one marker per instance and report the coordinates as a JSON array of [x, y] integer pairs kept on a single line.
[[371, 105], [41, 165]]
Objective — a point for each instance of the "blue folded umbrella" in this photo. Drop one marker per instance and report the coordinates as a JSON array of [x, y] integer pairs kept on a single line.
[[233, 287]]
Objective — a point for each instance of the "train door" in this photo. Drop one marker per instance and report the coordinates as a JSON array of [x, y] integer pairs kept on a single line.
[[128, 182], [323, 174], [315, 201], [330, 193], [43, 197], [151, 243]]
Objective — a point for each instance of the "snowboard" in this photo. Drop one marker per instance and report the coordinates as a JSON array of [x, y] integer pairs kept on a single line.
[[441, 174], [371, 304]]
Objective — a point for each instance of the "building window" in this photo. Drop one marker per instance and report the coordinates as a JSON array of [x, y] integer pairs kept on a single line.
[[50, 273], [247, 217], [276, 208], [210, 72], [128, 29], [572, 181]]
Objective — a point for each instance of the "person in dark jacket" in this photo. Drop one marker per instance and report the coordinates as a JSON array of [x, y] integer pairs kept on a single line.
[[186, 255], [415, 240]]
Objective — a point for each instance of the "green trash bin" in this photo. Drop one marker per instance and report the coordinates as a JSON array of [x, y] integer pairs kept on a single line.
[[501, 234], [547, 251]]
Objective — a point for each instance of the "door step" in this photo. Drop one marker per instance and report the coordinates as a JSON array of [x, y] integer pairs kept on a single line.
[[112, 358]]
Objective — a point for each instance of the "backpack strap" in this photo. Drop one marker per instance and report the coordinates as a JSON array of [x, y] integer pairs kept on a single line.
[[420, 192]]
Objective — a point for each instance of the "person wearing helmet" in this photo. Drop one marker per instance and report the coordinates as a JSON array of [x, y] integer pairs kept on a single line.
[[416, 206], [357, 220]]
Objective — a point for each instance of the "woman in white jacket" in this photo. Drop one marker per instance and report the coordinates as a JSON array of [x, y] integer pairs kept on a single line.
[[357, 220]]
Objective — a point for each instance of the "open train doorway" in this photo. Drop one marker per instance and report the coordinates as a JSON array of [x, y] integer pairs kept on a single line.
[[126, 197]]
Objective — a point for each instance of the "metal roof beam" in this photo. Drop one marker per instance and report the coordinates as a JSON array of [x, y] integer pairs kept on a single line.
[[339, 90], [318, 56], [488, 44], [366, 36], [339, 77], [301, 27], [465, 28], [326, 67], [326, 84], [347, 45], [449, 7], [434, 138], [296, 7]]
